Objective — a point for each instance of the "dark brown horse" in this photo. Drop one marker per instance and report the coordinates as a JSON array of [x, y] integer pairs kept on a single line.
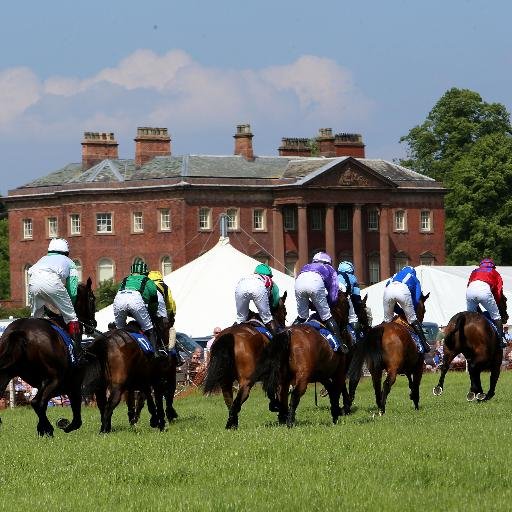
[[390, 347], [126, 368], [30, 348], [472, 335], [301, 355], [233, 357]]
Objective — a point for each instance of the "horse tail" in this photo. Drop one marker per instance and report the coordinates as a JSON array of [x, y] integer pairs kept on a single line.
[[96, 368], [369, 349], [449, 339], [271, 363], [221, 367], [11, 348]]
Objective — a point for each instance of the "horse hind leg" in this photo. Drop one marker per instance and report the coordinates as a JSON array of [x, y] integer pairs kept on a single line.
[[112, 402], [377, 386], [493, 380], [414, 385], [475, 390], [4, 381], [386, 388], [447, 361], [75, 399], [241, 397], [40, 404], [298, 391]]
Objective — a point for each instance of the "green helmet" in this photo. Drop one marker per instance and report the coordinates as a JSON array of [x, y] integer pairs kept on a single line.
[[263, 270], [139, 267]]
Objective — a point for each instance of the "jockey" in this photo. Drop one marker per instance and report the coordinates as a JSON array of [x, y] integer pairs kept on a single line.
[[138, 297], [404, 289], [318, 282], [485, 287], [348, 283], [264, 293], [54, 280]]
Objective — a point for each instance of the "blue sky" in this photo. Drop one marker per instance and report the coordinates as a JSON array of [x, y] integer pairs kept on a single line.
[[201, 67]]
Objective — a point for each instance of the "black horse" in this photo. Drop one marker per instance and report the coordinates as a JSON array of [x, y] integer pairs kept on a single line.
[[32, 349]]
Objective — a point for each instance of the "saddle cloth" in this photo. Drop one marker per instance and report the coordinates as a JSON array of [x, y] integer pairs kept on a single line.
[[260, 328], [333, 341], [143, 342], [413, 335], [66, 338]]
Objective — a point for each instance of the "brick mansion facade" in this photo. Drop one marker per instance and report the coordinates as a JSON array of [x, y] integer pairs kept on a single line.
[[164, 208]]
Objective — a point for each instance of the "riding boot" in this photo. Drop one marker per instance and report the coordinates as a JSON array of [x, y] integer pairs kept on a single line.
[[151, 336], [357, 330], [333, 327], [419, 331], [299, 320], [272, 327], [76, 338], [499, 325]]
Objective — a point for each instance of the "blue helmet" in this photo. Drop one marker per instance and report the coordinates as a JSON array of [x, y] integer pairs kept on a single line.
[[322, 257], [346, 266], [410, 269]]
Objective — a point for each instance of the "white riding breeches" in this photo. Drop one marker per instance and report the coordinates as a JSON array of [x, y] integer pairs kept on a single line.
[[310, 286], [397, 292], [45, 287], [162, 310], [130, 303], [479, 292], [247, 289]]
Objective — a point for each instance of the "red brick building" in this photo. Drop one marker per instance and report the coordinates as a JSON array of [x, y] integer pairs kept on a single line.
[[165, 209]]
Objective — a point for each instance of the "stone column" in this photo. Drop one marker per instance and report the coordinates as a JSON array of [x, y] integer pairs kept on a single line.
[[384, 242], [303, 235], [329, 232], [358, 243], [278, 238]]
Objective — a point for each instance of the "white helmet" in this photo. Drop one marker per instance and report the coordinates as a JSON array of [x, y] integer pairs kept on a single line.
[[58, 245], [322, 257]]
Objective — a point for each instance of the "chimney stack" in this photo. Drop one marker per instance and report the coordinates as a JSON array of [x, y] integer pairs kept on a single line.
[[98, 146], [294, 147], [151, 142], [325, 142], [243, 141], [349, 144]]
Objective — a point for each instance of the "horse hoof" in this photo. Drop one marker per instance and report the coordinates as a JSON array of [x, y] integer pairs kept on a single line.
[[481, 397], [438, 391], [62, 423], [470, 397]]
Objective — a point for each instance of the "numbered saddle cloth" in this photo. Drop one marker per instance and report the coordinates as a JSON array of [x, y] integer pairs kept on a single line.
[[143, 342], [66, 338], [333, 341], [261, 328]]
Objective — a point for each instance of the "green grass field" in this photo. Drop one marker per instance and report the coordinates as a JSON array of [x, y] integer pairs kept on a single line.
[[449, 455]]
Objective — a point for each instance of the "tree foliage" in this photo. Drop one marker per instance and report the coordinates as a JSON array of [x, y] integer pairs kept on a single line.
[[105, 293], [465, 143]]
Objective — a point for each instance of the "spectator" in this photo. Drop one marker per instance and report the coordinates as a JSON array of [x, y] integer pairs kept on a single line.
[[216, 332]]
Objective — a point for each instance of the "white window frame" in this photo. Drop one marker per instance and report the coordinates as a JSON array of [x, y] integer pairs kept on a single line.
[[400, 262], [205, 218], [427, 259], [400, 220], [75, 224], [166, 265], [374, 269], [290, 218], [259, 224], [52, 224], [373, 219], [138, 222], [99, 266], [28, 229], [426, 221], [104, 221], [165, 219], [233, 219]]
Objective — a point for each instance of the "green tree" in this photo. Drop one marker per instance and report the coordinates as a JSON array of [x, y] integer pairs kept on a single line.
[[479, 204], [105, 293], [457, 121]]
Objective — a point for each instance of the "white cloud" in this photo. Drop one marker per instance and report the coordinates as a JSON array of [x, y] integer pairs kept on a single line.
[[175, 91]]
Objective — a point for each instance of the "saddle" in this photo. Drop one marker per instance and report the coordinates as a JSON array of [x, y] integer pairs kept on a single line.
[[333, 341], [260, 327], [401, 321]]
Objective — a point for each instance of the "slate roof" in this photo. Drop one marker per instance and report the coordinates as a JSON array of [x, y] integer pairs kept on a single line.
[[289, 169]]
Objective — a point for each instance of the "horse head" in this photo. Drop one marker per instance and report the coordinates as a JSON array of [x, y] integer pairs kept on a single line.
[[362, 316], [280, 311], [340, 309], [85, 306], [420, 308]]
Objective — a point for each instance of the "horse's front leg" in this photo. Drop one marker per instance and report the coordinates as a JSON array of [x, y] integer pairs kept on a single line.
[[132, 405], [159, 404], [40, 404], [75, 399], [4, 381], [475, 390], [445, 366]]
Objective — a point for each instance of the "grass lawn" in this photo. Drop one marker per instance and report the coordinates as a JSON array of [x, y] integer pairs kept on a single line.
[[449, 455]]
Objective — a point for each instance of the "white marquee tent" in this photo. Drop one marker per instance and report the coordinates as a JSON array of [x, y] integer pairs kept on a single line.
[[447, 287], [204, 290]]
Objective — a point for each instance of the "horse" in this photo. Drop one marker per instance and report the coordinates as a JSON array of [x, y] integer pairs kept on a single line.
[[472, 335], [233, 357], [124, 367], [32, 349], [300, 355], [389, 346]]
